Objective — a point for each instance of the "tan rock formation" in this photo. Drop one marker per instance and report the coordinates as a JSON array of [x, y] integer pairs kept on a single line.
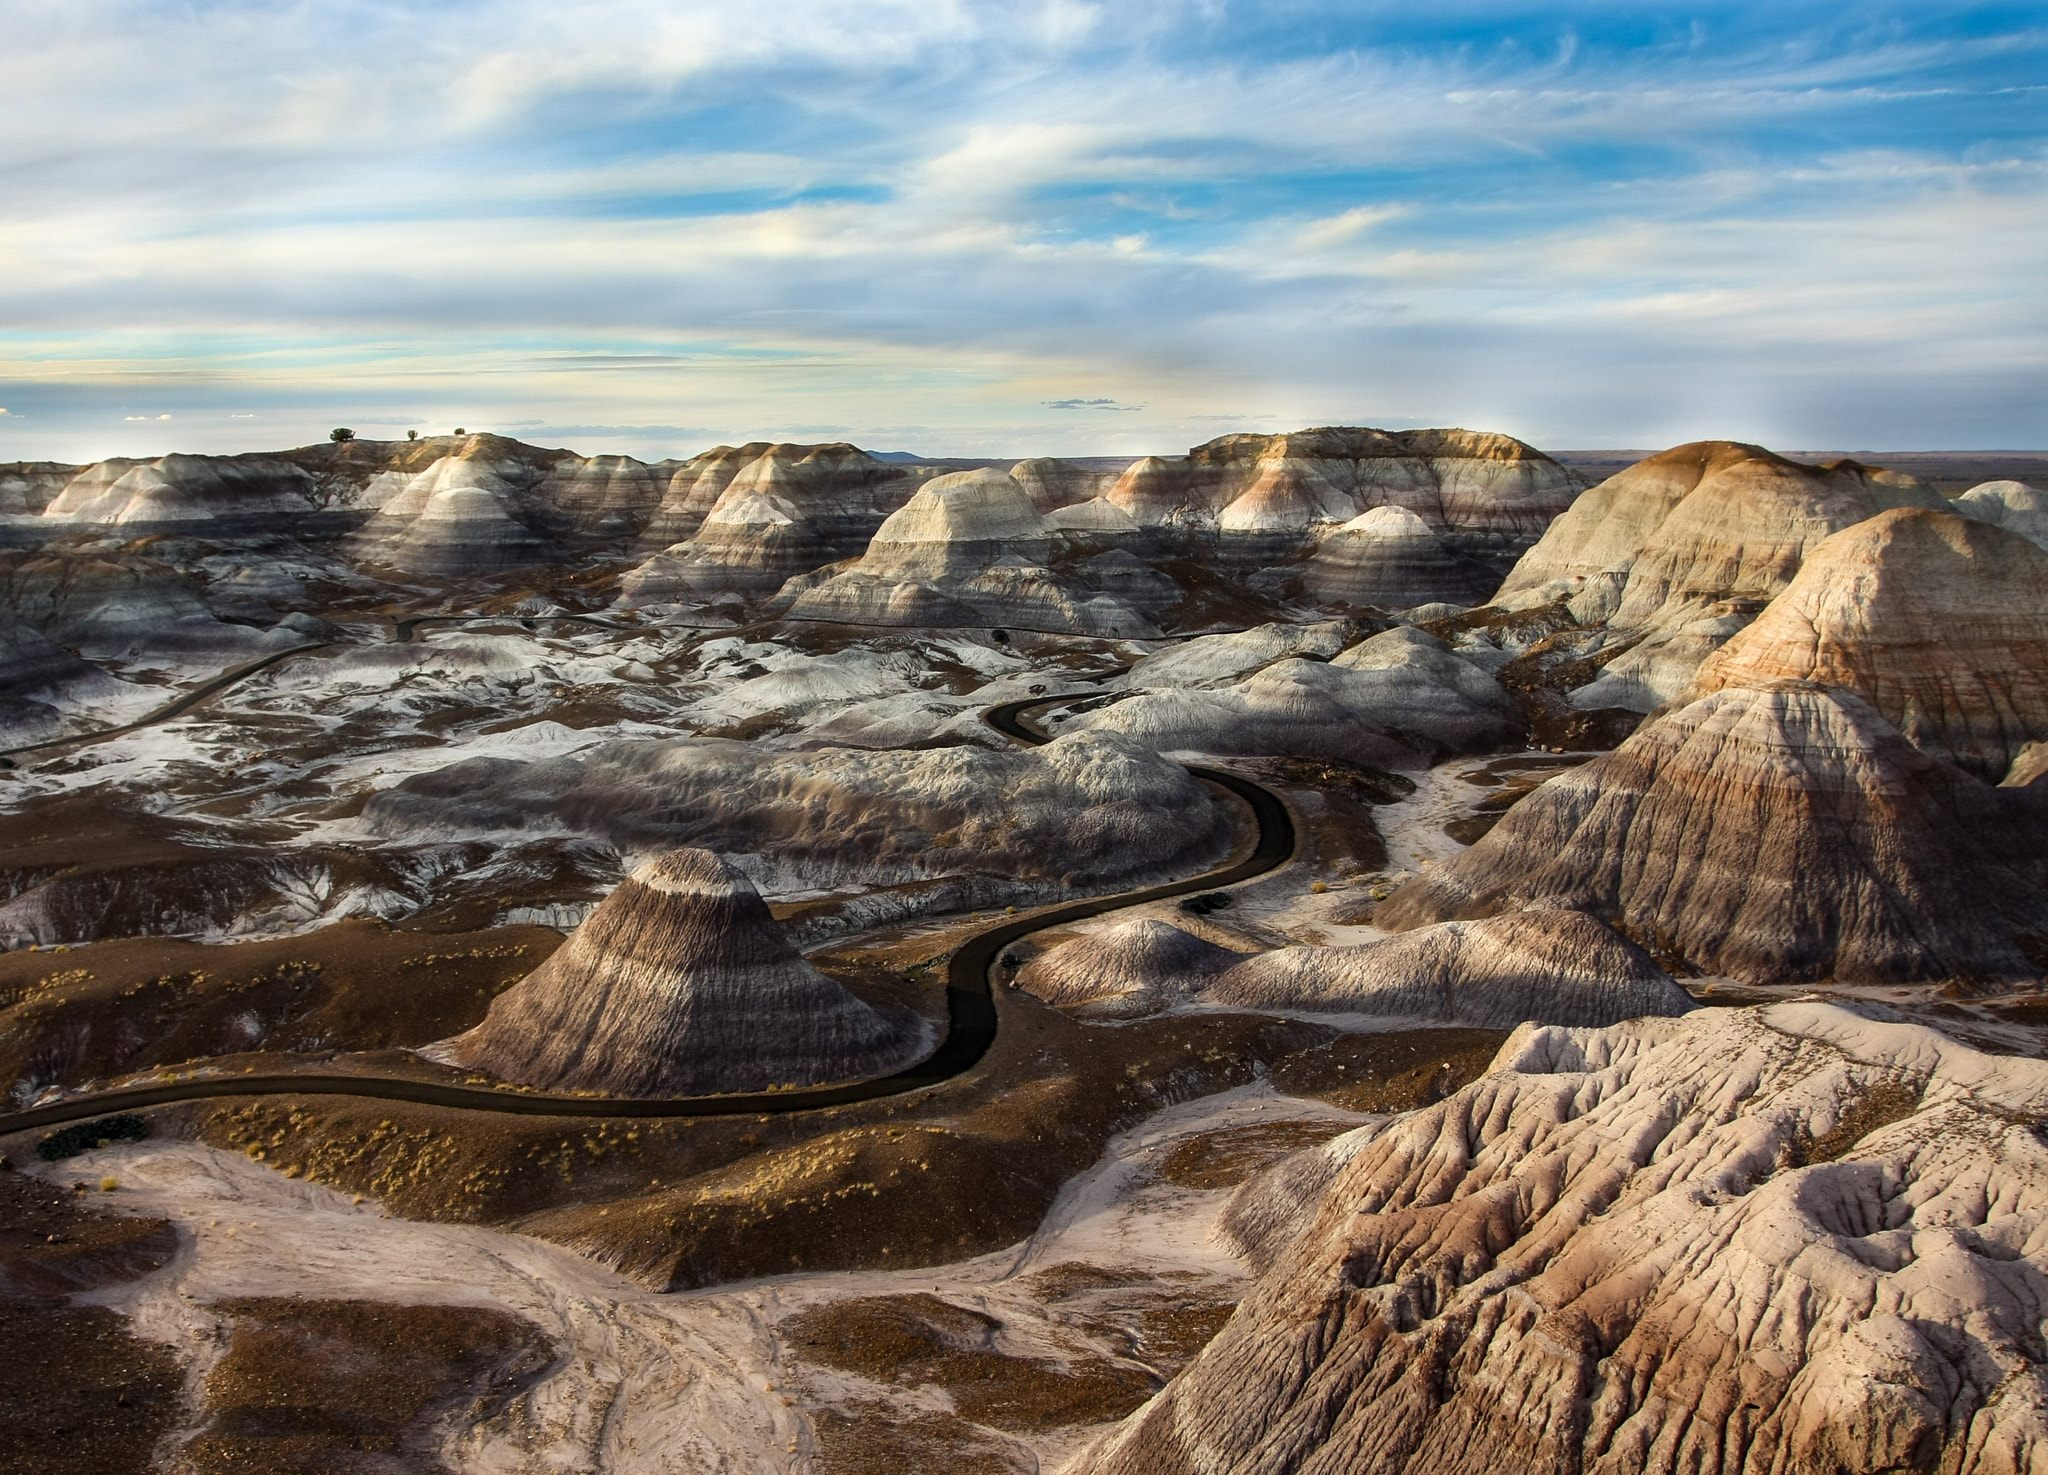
[[1556, 967], [750, 546], [1453, 479], [27, 487], [1125, 970], [1788, 1239], [839, 489], [681, 984], [1052, 484], [1939, 622], [1667, 556], [1773, 835]]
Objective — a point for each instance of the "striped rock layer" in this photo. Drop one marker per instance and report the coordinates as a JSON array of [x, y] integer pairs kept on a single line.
[[1777, 834], [681, 984]]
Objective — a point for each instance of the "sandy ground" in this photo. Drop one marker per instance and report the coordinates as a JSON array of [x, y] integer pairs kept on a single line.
[[645, 1382]]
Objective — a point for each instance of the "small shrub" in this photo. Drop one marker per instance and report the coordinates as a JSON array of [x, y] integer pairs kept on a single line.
[[341, 435]]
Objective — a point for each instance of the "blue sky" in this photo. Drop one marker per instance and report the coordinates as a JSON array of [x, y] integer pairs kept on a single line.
[[1058, 227]]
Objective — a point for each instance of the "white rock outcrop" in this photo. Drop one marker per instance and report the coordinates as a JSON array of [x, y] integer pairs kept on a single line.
[[1788, 1239], [1125, 970], [971, 543], [2012, 505]]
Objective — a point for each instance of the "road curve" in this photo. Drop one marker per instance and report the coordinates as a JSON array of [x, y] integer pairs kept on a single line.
[[970, 1007]]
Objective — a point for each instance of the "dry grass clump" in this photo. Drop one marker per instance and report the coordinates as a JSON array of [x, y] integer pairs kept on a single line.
[[317, 1386]]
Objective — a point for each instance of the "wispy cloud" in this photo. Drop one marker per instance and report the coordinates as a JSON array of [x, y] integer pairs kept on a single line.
[[668, 222]]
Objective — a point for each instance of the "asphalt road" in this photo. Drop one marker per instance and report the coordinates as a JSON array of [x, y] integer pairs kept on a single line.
[[970, 1006]]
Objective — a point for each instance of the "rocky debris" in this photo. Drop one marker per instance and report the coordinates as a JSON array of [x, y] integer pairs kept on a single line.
[[2012, 505], [1394, 701], [681, 984], [1389, 558], [1790, 1238], [1089, 812], [1939, 622], [1773, 835], [1655, 567], [1126, 970], [969, 544], [1555, 967]]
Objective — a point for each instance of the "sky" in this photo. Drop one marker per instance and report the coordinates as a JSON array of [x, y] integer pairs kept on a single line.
[[971, 229]]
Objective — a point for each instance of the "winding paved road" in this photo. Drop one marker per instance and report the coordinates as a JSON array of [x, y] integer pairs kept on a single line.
[[970, 1005]]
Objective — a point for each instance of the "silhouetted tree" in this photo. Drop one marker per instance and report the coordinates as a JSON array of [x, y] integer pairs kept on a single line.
[[412, 435], [341, 435]]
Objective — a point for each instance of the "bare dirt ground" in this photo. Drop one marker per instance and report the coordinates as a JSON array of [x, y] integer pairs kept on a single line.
[[306, 1322]]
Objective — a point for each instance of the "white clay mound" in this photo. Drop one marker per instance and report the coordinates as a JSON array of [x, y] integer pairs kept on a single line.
[[1555, 967], [1787, 1239]]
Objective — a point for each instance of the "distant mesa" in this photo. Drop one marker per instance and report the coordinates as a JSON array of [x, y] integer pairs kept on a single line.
[[1462, 480], [1939, 622], [681, 984], [968, 548], [1779, 834], [1554, 966]]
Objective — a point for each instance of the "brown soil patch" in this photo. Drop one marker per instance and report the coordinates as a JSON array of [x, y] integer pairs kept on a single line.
[[1883, 1104], [1336, 800], [102, 1009], [870, 1438], [1507, 782], [1225, 1159], [82, 1395], [361, 1386], [1397, 1071], [919, 1339]]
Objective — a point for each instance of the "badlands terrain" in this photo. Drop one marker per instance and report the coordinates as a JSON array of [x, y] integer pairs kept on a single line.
[[1346, 951]]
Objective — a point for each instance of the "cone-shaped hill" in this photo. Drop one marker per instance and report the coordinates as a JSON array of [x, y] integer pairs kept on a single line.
[[681, 984], [1129, 968], [1777, 835]]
